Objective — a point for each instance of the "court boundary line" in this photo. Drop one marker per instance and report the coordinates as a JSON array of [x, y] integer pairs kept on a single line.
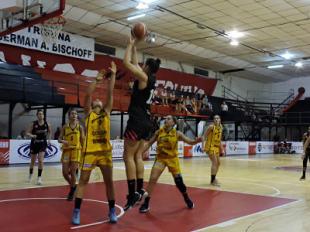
[[122, 212], [233, 221]]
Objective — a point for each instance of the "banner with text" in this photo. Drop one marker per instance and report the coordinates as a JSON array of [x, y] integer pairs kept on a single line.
[[67, 44], [264, 147], [20, 152], [237, 148]]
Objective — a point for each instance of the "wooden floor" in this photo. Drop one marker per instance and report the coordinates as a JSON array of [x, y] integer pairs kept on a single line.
[[255, 175]]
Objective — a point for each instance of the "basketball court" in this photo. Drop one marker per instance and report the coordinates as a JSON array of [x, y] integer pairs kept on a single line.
[[50, 50], [253, 195]]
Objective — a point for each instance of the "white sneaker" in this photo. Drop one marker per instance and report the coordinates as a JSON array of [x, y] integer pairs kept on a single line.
[[39, 182], [29, 178]]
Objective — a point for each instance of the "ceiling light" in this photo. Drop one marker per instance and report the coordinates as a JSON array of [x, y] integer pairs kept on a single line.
[[287, 55], [135, 16], [275, 66], [299, 64], [235, 34], [142, 6], [234, 42]]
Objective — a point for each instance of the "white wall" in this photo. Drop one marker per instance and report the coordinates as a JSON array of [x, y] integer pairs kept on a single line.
[[294, 84], [240, 86]]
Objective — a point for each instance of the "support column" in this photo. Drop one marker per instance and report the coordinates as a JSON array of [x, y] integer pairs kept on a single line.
[[11, 109]]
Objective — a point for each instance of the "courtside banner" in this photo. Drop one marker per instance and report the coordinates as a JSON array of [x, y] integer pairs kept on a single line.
[[297, 147], [20, 152], [198, 151], [67, 44], [180, 149], [4, 151], [237, 148], [117, 148], [264, 147]]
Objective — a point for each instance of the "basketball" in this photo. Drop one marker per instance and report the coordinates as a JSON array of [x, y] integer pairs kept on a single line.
[[139, 31]]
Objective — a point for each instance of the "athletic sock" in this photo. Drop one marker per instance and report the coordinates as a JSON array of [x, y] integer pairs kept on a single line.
[[40, 172], [78, 202], [139, 185], [111, 204], [131, 187]]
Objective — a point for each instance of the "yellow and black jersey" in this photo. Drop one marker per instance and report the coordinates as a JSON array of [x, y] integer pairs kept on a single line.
[[167, 143], [97, 137], [214, 138], [72, 136]]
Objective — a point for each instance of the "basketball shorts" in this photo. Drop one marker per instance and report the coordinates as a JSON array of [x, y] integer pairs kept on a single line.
[[91, 160], [37, 146], [71, 155], [173, 164], [214, 151], [139, 129]]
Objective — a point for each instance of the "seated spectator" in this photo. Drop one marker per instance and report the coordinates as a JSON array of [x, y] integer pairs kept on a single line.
[[198, 98], [164, 96], [204, 99], [156, 98], [22, 135], [180, 106], [188, 104], [210, 106], [205, 110], [172, 99], [194, 105]]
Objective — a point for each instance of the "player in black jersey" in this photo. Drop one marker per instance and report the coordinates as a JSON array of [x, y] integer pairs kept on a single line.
[[306, 156], [39, 132], [139, 124]]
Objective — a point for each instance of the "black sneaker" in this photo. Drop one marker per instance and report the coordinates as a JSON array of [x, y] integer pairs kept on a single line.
[[144, 207], [131, 201], [302, 178], [143, 194], [189, 203]]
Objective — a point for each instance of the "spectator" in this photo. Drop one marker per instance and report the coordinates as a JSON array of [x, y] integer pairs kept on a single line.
[[205, 99], [172, 99], [164, 97], [224, 110], [198, 98], [57, 133], [194, 105], [22, 135], [188, 104], [156, 98], [210, 106]]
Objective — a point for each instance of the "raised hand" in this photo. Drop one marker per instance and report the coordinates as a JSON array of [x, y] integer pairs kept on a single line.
[[101, 74]]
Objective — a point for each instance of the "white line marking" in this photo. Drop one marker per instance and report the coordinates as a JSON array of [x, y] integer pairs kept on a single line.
[[58, 198], [247, 216]]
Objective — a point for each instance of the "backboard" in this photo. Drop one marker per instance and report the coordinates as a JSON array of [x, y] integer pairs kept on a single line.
[[19, 14]]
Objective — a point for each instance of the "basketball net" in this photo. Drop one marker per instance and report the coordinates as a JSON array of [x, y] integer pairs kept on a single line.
[[51, 28]]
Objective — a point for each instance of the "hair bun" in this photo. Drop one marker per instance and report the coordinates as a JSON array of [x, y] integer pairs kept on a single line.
[[158, 61]]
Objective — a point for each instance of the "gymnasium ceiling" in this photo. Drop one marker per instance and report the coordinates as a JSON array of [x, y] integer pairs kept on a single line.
[[195, 32]]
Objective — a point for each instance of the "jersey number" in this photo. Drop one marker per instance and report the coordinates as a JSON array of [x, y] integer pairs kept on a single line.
[[149, 101]]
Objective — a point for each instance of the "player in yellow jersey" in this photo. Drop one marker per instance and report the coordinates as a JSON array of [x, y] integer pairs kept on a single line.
[[71, 136], [167, 139], [212, 146], [97, 149]]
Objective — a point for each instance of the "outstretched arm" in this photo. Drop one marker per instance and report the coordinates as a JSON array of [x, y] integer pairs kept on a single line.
[[187, 140], [205, 135], [109, 104], [91, 88], [149, 143], [130, 65]]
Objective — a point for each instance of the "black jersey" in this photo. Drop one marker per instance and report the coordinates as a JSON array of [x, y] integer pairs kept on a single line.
[[141, 99], [40, 131]]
